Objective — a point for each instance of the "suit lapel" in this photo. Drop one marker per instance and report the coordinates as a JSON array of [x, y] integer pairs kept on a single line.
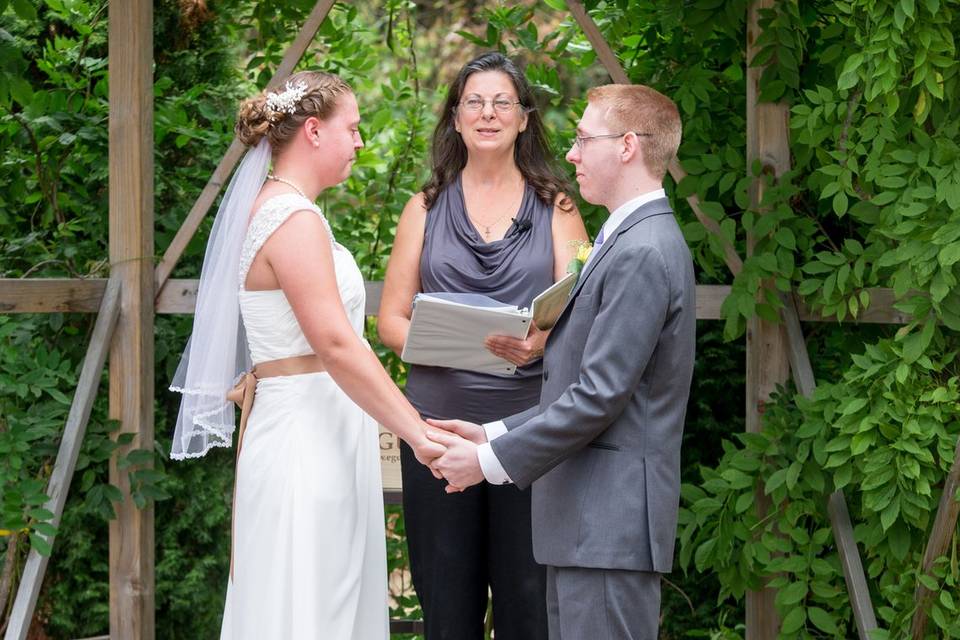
[[655, 207]]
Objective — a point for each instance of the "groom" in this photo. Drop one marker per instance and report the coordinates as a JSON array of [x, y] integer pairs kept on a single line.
[[602, 450]]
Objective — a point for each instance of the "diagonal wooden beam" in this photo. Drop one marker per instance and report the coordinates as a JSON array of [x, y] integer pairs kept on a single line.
[[944, 529], [612, 65], [90, 375], [230, 159], [200, 208], [853, 574]]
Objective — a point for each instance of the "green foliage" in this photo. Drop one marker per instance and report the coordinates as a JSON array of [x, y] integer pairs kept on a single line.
[[887, 441], [871, 200]]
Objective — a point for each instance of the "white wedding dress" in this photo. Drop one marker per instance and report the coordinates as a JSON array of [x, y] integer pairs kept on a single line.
[[309, 552]]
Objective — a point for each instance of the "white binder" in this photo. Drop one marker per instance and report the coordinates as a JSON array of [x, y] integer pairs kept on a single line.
[[449, 329]]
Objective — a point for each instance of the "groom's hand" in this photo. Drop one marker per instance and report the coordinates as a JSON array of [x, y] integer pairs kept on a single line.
[[475, 433], [460, 464]]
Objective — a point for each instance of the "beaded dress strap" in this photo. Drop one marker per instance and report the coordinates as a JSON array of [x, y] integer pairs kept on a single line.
[[273, 213]]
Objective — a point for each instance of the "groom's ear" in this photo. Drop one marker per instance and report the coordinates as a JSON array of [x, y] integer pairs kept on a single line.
[[631, 148]]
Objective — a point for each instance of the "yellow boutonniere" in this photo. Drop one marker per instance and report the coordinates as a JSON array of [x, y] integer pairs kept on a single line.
[[580, 259]]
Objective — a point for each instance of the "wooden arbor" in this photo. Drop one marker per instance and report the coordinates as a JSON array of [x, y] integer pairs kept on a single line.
[[136, 290]]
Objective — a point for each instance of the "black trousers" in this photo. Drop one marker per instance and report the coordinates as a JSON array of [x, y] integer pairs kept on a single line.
[[459, 544]]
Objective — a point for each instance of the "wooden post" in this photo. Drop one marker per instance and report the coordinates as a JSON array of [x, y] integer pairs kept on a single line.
[[767, 361], [131, 259]]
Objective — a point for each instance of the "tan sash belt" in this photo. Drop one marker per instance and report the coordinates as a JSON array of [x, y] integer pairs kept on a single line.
[[244, 391]]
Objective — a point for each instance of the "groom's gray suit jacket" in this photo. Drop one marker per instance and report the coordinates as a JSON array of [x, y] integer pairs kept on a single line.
[[602, 450]]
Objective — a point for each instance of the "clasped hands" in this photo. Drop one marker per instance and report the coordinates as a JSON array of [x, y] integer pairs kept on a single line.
[[451, 452]]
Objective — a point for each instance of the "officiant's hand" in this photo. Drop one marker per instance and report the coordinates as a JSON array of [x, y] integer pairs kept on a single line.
[[518, 351], [475, 433], [459, 464]]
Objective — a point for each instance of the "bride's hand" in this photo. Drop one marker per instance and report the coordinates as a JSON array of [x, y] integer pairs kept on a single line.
[[426, 451]]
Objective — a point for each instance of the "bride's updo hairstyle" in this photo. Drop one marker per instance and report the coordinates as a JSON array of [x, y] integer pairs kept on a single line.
[[278, 114]]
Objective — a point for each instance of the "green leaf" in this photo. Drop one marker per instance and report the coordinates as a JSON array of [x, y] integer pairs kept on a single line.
[[912, 347], [744, 502], [713, 210], [40, 514], [793, 473], [772, 91], [793, 593], [840, 203], [903, 370], [785, 238], [842, 477], [949, 255], [889, 515], [822, 620], [40, 543], [898, 537], [775, 481], [793, 621], [26, 10], [928, 582], [847, 81], [853, 406]]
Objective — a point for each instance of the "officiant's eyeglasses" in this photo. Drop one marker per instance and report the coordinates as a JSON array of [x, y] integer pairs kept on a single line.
[[579, 140], [501, 104]]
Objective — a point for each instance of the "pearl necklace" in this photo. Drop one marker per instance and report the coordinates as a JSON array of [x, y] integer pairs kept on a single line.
[[270, 176]]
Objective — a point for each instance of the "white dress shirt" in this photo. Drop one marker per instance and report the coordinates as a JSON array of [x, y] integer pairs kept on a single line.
[[492, 469]]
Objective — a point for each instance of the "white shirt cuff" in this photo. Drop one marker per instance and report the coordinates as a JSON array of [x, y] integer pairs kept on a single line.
[[493, 471], [494, 429]]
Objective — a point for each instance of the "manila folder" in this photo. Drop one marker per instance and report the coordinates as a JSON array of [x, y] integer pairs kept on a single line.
[[548, 306]]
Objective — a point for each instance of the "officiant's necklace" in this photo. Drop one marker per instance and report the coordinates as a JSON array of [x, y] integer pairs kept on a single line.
[[270, 176], [487, 228]]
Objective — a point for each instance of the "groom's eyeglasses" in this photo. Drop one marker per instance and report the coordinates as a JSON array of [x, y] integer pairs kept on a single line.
[[580, 140]]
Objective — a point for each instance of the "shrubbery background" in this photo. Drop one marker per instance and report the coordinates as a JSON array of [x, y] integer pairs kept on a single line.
[[873, 200]]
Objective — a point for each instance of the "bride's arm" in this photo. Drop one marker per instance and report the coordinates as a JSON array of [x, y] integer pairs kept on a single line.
[[300, 255]]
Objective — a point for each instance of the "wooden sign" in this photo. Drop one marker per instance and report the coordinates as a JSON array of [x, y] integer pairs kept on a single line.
[[390, 460]]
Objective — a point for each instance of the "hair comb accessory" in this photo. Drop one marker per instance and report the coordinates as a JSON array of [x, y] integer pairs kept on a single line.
[[286, 101]]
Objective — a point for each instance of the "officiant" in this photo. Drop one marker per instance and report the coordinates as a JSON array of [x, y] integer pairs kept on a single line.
[[494, 219]]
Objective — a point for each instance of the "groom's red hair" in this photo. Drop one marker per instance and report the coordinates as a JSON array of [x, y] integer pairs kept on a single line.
[[637, 107]]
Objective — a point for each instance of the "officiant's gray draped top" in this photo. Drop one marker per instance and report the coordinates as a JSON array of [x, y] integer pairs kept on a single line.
[[513, 270]]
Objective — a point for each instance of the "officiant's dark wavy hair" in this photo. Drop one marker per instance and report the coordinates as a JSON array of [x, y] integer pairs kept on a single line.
[[530, 152]]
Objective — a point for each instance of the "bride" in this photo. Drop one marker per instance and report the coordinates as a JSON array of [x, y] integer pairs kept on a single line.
[[308, 554]]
